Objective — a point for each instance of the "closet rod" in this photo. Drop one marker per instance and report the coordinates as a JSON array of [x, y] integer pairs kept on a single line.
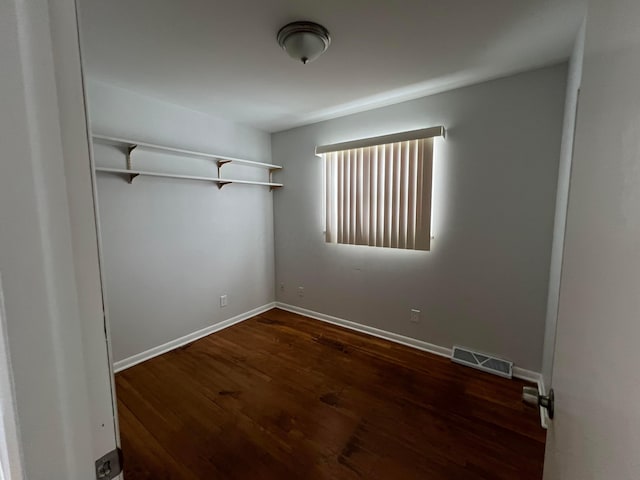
[[220, 181]]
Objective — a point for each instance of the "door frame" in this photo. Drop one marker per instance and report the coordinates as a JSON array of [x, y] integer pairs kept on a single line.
[[85, 228], [42, 248]]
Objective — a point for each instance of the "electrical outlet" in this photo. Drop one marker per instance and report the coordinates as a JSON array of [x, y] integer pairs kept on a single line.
[[301, 291], [282, 287], [414, 316], [223, 301]]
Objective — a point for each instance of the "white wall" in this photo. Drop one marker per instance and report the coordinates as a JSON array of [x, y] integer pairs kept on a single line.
[[172, 248], [596, 432], [43, 325], [562, 199], [484, 284]]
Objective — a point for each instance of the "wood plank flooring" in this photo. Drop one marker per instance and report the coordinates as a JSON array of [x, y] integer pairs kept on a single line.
[[281, 396]]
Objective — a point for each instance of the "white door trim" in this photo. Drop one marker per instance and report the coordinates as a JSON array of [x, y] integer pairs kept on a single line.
[[10, 449]]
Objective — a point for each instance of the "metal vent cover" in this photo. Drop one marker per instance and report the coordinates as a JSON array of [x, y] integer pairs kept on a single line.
[[481, 361]]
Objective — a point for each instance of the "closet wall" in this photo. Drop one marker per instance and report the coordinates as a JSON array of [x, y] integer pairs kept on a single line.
[[171, 248]]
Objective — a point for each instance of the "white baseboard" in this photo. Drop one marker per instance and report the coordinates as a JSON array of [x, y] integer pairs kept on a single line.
[[520, 373], [178, 342], [536, 378], [376, 332], [528, 375]]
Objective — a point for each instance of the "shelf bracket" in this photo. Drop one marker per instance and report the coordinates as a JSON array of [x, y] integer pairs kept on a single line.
[[132, 176], [271, 170], [130, 150], [220, 164]]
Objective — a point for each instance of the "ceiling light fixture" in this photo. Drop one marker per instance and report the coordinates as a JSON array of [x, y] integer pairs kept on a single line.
[[304, 41]]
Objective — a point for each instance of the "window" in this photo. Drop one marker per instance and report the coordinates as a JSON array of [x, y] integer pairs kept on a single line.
[[378, 190]]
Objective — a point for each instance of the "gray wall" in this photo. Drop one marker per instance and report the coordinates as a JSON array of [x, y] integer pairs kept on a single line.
[[562, 199], [172, 247], [484, 284]]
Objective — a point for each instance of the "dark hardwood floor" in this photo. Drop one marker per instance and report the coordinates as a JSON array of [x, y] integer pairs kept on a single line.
[[281, 396]]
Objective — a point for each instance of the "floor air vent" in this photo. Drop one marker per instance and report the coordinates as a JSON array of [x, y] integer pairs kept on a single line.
[[483, 362]]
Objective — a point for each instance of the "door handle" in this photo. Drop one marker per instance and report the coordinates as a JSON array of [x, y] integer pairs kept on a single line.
[[531, 396]]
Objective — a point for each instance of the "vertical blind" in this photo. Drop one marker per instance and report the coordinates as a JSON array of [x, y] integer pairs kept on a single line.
[[380, 195]]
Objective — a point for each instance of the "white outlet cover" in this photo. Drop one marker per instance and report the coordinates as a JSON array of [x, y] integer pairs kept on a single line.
[[414, 315], [223, 300]]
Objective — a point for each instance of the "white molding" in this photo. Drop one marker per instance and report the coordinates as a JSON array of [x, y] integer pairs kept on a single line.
[[179, 342], [544, 415], [528, 375], [376, 332], [11, 457], [520, 373], [536, 378]]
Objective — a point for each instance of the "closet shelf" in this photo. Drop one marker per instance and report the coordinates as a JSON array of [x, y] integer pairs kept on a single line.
[[220, 181], [221, 159]]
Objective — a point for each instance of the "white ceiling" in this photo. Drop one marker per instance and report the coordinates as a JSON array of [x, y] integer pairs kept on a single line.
[[221, 57]]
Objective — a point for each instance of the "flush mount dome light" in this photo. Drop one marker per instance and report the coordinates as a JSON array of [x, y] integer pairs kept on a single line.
[[304, 41]]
